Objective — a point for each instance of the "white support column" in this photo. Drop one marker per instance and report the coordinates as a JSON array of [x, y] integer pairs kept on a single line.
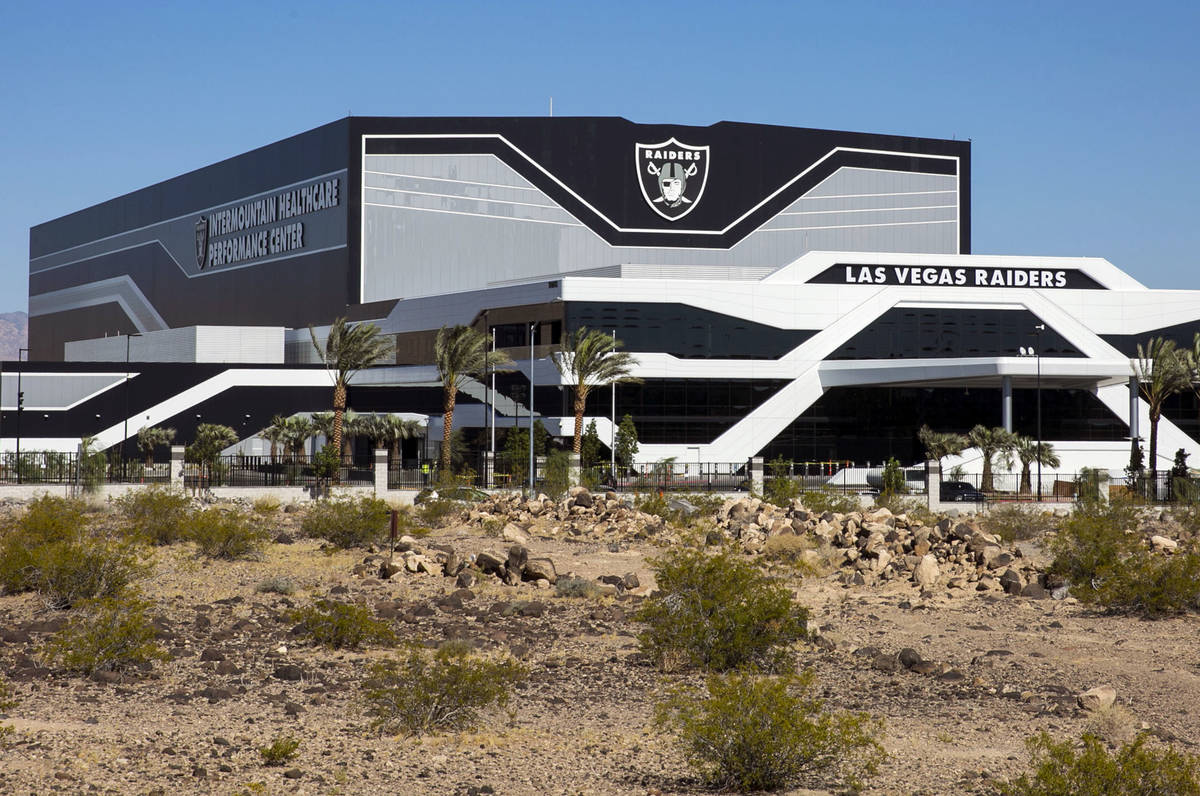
[[756, 474], [1006, 402], [381, 470], [933, 484], [177, 467]]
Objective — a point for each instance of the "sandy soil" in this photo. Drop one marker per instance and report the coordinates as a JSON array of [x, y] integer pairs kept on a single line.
[[582, 723]]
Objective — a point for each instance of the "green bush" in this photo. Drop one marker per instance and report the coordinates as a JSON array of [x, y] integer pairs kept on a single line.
[[780, 489], [279, 584], [557, 478], [828, 498], [1015, 523], [266, 506], [437, 512], [50, 549], [1092, 770], [156, 513], [717, 612], [1108, 564], [342, 625], [445, 691], [229, 535], [107, 634], [281, 750], [577, 587], [347, 521], [749, 733]]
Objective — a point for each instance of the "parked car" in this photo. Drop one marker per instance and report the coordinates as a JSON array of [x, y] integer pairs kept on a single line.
[[961, 492]]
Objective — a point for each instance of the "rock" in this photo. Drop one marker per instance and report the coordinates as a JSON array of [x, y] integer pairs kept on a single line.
[[1011, 581], [584, 498], [490, 563], [926, 573], [885, 663], [630, 580], [289, 671], [293, 773], [909, 657], [1098, 698], [1163, 543], [465, 579], [212, 654], [294, 709], [540, 569], [390, 568], [512, 533], [684, 507], [1035, 590]]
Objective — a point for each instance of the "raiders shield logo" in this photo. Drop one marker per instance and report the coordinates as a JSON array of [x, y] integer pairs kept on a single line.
[[672, 176], [202, 241]]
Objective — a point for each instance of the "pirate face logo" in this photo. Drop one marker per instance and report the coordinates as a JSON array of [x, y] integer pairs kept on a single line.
[[672, 176], [201, 241]]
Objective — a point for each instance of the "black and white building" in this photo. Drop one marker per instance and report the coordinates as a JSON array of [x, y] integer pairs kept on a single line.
[[794, 292]]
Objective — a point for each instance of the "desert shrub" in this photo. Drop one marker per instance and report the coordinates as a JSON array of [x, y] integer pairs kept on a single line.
[[790, 549], [1090, 769], [658, 504], [266, 506], [828, 498], [1016, 523], [577, 587], [1114, 725], [107, 634], [228, 535], [281, 750], [279, 584], [557, 478], [437, 512], [425, 693], [156, 513], [893, 479], [780, 488], [347, 521], [1108, 564], [342, 625], [717, 612], [50, 549], [748, 732]]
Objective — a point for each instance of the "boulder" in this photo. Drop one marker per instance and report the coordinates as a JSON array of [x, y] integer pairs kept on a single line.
[[926, 573], [1163, 543], [540, 569], [513, 533], [490, 563], [1098, 698]]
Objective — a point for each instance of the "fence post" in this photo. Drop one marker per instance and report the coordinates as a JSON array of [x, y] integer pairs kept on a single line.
[[756, 474], [381, 470], [933, 484], [177, 467]]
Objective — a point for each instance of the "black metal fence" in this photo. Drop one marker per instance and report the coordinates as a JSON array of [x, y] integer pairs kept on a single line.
[[52, 467], [264, 471]]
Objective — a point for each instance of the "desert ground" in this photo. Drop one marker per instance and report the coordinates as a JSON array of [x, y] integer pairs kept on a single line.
[[1000, 667]]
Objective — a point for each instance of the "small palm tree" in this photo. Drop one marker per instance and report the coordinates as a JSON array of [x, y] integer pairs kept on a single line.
[[346, 350], [274, 434], [295, 432], [353, 427], [589, 358], [940, 444], [1030, 451], [1162, 371], [461, 353], [151, 438], [400, 429], [990, 442]]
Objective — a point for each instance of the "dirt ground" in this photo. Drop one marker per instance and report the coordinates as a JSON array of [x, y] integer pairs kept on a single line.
[[582, 723]]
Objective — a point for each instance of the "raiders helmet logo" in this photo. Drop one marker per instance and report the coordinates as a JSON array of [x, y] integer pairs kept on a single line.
[[202, 241], [672, 176]]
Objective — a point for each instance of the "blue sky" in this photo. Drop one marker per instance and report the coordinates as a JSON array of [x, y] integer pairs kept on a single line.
[[1082, 115]]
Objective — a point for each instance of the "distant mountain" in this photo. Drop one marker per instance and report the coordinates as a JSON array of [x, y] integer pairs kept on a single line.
[[14, 333]]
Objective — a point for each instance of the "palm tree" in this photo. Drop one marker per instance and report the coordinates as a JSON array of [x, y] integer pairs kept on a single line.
[[1029, 451], [1161, 372], [274, 434], [346, 350], [461, 353], [589, 358], [940, 444], [990, 441], [353, 426], [150, 438], [295, 432], [322, 423], [400, 429]]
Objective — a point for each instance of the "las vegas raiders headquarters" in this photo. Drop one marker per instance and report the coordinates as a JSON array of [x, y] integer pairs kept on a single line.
[[787, 292]]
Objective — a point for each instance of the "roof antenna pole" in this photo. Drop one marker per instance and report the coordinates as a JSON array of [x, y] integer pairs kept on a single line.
[[552, 106]]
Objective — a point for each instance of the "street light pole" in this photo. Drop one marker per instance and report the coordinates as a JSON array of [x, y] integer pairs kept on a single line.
[[125, 431], [532, 327], [487, 400], [1041, 327], [20, 407]]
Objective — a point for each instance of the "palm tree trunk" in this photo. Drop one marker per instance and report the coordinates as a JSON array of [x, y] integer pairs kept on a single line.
[[447, 424], [1026, 486], [985, 480], [1154, 416], [580, 403]]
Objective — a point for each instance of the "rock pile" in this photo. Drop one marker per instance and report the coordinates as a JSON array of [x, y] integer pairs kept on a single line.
[[597, 516], [874, 546]]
